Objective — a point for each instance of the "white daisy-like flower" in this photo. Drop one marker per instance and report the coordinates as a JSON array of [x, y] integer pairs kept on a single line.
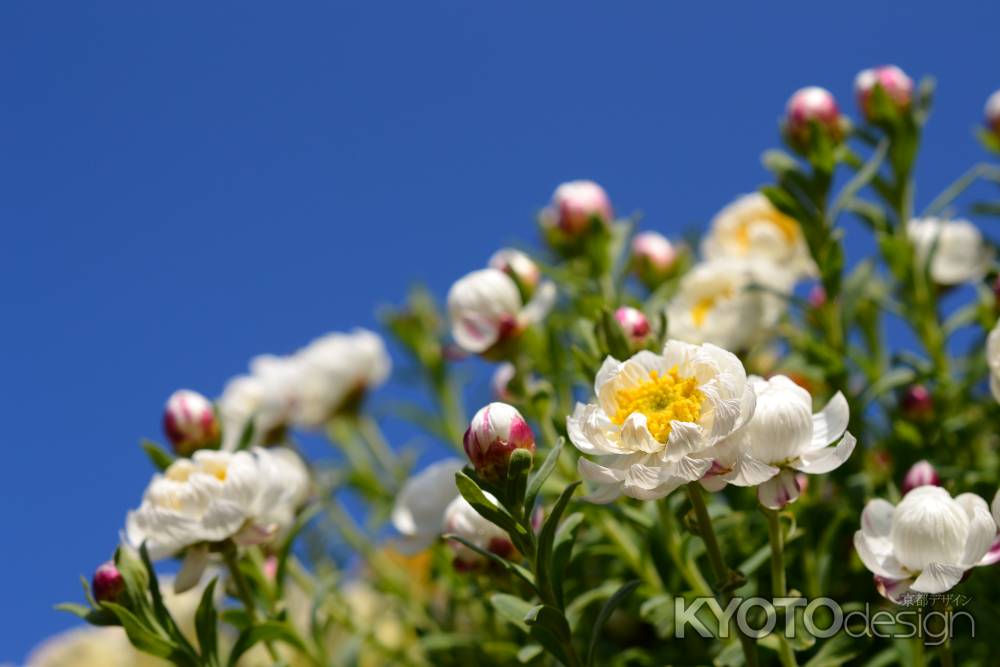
[[752, 228], [781, 440], [462, 519], [655, 416], [926, 543], [717, 303], [993, 360], [418, 511], [955, 249], [485, 308], [266, 396]]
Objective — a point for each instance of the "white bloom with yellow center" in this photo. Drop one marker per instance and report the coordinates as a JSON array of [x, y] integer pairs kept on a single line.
[[954, 248], [419, 509], [485, 308], [926, 543], [655, 416], [782, 439], [752, 228], [718, 303]]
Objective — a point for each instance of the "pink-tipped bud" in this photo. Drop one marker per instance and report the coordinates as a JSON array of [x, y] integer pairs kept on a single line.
[[817, 296], [189, 422], [520, 267], [575, 204], [921, 473], [917, 402], [107, 583], [654, 258], [894, 82], [812, 105], [495, 432], [634, 323], [993, 113]]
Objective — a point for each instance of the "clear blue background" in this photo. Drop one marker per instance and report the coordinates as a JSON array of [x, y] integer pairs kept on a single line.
[[184, 186]]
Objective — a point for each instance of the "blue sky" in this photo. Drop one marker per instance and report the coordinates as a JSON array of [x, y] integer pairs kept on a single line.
[[185, 186]]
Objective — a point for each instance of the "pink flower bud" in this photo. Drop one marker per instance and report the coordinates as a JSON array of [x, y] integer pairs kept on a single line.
[[993, 113], [520, 267], [576, 203], [495, 432], [817, 296], [917, 402], [189, 422], [634, 323], [921, 473], [653, 258], [897, 87], [107, 583], [812, 105]]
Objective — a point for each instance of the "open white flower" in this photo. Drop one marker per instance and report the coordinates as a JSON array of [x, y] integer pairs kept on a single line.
[[266, 396], [926, 543], [717, 304], [418, 512], [485, 308], [462, 519], [247, 496], [655, 416], [993, 360], [752, 228], [955, 248], [782, 439]]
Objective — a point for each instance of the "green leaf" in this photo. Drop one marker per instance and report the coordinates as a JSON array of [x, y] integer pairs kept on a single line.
[[513, 568], [550, 629], [542, 474], [135, 575], [246, 435], [562, 551], [159, 456], [864, 176], [610, 605], [268, 631], [512, 608], [486, 508], [529, 653], [546, 536], [617, 344], [206, 625], [285, 550], [142, 636]]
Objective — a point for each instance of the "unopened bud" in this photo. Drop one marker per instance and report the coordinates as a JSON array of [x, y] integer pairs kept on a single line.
[[993, 113], [634, 323], [817, 296], [654, 258], [521, 268], [921, 473], [894, 82], [917, 402], [108, 583], [812, 105], [575, 205], [189, 422], [495, 432]]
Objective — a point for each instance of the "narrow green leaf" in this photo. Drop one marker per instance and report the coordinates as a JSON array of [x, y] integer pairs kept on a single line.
[[246, 435], [550, 629], [512, 608], [513, 568], [485, 507], [546, 536], [206, 625], [268, 631], [610, 605], [542, 474], [159, 456], [142, 637]]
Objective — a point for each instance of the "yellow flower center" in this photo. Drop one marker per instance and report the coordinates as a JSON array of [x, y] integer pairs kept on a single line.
[[663, 399], [786, 226]]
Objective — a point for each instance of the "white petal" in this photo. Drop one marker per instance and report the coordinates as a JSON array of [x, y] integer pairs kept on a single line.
[[194, 564], [820, 461], [540, 304], [592, 432], [893, 589], [608, 370], [685, 438], [645, 483], [831, 421], [748, 471], [996, 508], [982, 529], [876, 524], [938, 578], [993, 555], [878, 563], [636, 437], [605, 483], [779, 491], [420, 504]]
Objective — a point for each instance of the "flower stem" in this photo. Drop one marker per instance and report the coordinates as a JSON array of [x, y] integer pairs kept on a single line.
[[692, 575], [779, 588], [244, 592], [718, 563]]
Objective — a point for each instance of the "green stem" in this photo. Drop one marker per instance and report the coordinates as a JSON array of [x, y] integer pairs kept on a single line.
[[718, 564], [779, 588], [671, 539], [372, 434], [244, 593]]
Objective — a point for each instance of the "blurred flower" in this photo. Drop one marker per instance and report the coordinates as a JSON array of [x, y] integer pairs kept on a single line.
[[370, 611], [485, 308], [783, 437], [926, 543], [461, 519], [917, 403], [634, 323], [654, 417], [653, 259], [894, 82], [266, 397], [493, 435], [717, 304], [575, 205], [752, 228], [921, 473], [249, 496], [812, 105], [993, 113], [85, 647], [996, 508], [817, 296], [521, 268], [993, 360], [501, 379], [107, 582], [959, 254], [418, 511], [189, 422]]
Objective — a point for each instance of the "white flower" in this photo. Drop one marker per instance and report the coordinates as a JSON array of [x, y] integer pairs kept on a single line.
[[266, 396], [461, 519], [654, 417], [717, 304], [85, 647], [418, 512], [955, 248], [485, 307], [993, 360], [249, 496], [752, 228], [926, 543], [782, 438]]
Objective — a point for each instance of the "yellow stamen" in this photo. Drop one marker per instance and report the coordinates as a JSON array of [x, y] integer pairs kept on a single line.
[[663, 399], [787, 226], [700, 310]]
